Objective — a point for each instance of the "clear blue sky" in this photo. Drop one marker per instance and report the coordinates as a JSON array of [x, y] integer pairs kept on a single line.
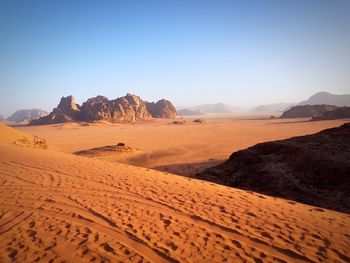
[[190, 52]]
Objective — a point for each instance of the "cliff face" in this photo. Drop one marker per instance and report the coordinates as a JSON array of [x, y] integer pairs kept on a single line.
[[313, 169], [128, 108], [67, 110], [161, 109], [307, 111]]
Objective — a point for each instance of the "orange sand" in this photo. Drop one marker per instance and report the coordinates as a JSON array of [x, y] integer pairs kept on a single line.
[[180, 149], [56, 206]]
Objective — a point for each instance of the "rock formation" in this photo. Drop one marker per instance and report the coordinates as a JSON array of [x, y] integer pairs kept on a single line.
[[26, 115], [128, 108], [313, 169], [199, 121], [339, 113], [307, 111], [67, 110], [161, 109]]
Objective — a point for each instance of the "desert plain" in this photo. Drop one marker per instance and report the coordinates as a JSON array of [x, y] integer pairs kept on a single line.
[[144, 205]]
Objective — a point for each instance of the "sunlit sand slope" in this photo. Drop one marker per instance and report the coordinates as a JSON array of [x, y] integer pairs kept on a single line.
[[55, 206]]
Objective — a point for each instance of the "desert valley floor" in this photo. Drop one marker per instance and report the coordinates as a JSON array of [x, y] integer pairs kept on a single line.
[[56, 206]]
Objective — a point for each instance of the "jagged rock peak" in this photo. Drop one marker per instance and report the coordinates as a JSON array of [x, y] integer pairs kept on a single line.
[[68, 104], [127, 108]]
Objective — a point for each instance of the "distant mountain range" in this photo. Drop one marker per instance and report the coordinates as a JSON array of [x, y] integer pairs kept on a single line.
[[321, 106], [27, 115], [328, 99], [207, 109], [273, 107], [320, 98], [188, 112]]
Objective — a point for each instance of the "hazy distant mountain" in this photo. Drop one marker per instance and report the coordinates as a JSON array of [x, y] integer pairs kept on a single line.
[[188, 112], [328, 98], [27, 115], [212, 108], [2, 118], [273, 107]]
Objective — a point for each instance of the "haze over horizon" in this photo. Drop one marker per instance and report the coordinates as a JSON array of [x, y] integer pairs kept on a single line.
[[241, 53]]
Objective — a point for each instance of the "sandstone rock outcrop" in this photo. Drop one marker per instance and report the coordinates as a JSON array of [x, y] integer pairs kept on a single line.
[[307, 111], [313, 169], [128, 108], [67, 110], [161, 109]]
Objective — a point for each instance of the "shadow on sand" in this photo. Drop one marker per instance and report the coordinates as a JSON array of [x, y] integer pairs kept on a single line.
[[188, 169]]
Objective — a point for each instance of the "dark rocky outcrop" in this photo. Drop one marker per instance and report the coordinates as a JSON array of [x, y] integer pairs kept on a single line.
[[313, 169], [26, 115], [120, 148], [307, 111], [180, 122], [339, 113], [161, 109], [128, 108], [199, 121]]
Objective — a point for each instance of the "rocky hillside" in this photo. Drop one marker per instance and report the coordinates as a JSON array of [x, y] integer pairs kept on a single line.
[[307, 111], [313, 169], [339, 113], [26, 115], [327, 98], [128, 108]]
